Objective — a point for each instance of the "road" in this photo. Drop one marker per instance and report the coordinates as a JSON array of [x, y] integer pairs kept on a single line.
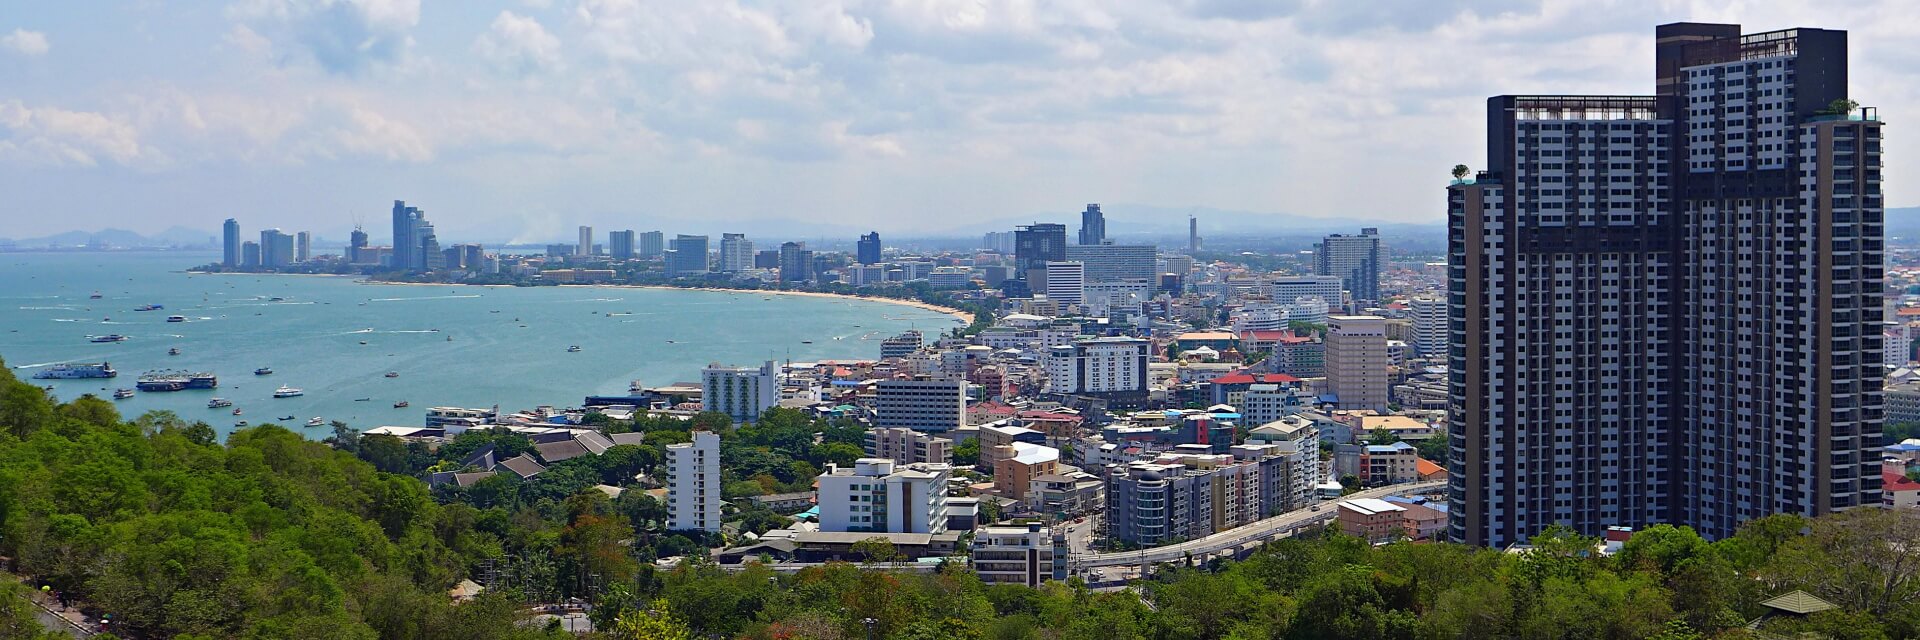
[[1261, 530]]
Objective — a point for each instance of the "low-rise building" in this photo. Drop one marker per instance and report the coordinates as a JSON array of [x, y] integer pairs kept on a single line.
[[1384, 464], [879, 495], [907, 446], [1018, 464], [1372, 518], [1014, 555]]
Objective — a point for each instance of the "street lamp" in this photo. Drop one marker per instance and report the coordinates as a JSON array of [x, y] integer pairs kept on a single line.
[[869, 622]]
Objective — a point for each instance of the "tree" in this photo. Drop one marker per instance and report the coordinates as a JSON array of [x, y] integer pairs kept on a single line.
[[1460, 171], [1840, 107], [876, 550], [657, 622], [1865, 560], [967, 453]]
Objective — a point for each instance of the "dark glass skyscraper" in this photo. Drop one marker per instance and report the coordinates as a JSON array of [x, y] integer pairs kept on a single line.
[[620, 245], [1667, 308], [868, 249], [1034, 246], [1093, 225]]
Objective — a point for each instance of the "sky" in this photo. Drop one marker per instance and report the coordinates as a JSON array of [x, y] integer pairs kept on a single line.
[[518, 120]]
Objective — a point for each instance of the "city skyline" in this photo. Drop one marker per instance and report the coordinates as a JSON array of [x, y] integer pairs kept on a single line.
[[312, 128]]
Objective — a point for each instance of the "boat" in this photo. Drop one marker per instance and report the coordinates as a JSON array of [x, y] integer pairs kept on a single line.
[[240, 423], [111, 337], [173, 351], [263, 371], [400, 405], [573, 349], [363, 342], [74, 371], [95, 296], [393, 374], [122, 394], [162, 381], [288, 418], [149, 307], [362, 399], [218, 403], [276, 299], [176, 318], [287, 392], [202, 381], [315, 422], [806, 342], [236, 412]]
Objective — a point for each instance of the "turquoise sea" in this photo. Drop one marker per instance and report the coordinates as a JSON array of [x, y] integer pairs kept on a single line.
[[451, 345]]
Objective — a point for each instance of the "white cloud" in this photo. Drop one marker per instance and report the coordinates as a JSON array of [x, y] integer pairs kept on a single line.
[[342, 36], [26, 43], [54, 136], [518, 44]]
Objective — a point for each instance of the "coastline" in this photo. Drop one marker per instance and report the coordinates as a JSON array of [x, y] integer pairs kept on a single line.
[[959, 315]]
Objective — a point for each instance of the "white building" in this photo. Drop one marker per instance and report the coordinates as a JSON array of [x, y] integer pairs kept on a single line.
[[585, 248], [736, 253], [1896, 346], [1429, 325], [1066, 282], [950, 278], [880, 496], [1326, 288], [693, 483], [1356, 361], [1113, 368], [1114, 299], [922, 405], [1296, 440], [1308, 309], [740, 392], [1258, 317], [1013, 555]]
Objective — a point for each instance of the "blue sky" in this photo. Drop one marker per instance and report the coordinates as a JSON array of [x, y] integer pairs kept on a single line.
[[519, 120]]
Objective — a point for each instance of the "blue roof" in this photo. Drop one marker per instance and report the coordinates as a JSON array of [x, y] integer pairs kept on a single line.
[[1389, 448], [1328, 397], [1903, 447], [812, 512]]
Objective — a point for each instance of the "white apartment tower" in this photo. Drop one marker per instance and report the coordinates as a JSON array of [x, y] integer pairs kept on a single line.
[[1112, 368], [740, 392], [880, 496], [923, 404], [736, 253], [585, 248], [1356, 361], [693, 483], [1066, 282], [1429, 325]]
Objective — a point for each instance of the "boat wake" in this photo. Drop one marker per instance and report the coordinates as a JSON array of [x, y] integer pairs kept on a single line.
[[46, 364], [421, 298]]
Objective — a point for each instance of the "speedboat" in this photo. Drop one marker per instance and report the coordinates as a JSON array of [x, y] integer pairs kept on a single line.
[[263, 371], [393, 374], [287, 392], [315, 422], [218, 403], [240, 423], [122, 394], [96, 296], [573, 349], [111, 337], [176, 318], [362, 399], [236, 412], [400, 405], [288, 418]]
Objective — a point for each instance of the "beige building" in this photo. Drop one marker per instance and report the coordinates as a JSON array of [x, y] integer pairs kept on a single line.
[[1017, 464], [1356, 361]]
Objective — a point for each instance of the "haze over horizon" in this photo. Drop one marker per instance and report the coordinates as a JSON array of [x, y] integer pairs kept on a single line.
[[524, 119]]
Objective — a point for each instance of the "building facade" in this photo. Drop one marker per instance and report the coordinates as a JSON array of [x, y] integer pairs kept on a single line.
[[688, 257], [1066, 282], [230, 243], [922, 404], [1665, 308], [1093, 226], [693, 483], [1034, 246], [1356, 361], [620, 244], [907, 446], [736, 253], [1429, 325], [879, 496], [653, 244], [1116, 262], [1357, 260], [740, 392], [1113, 368], [867, 250], [1013, 555]]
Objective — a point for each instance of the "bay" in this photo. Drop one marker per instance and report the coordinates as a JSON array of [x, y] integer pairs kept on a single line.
[[451, 345]]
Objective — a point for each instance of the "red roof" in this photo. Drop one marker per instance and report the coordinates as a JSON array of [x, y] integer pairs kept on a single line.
[[1248, 378], [1426, 467], [1908, 311], [1271, 334], [1892, 481], [993, 408], [1296, 340]]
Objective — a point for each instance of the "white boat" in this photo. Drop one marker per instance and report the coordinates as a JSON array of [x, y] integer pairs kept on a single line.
[[122, 394], [287, 392], [176, 318], [315, 422], [217, 403], [573, 349]]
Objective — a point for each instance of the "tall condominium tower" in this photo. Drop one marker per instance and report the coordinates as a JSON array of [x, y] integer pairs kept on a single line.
[[1034, 246], [406, 238], [1093, 225], [868, 249], [736, 252], [1356, 259], [620, 244], [1666, 308], [230, 243], [585, 248], [652, 244]]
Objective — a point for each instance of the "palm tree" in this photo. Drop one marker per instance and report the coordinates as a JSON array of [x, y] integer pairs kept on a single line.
[[1460, 172]]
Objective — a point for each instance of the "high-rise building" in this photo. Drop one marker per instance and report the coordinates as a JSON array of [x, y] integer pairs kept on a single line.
[[303, 246], [736, 253], [1665, 308], [1290, 288], [585, 247], [620, 244], [472, 256], [868, 250], [1193, 234], [1356, 259], [356, 245], [688, 257], [1066, 282], [693, 483], [230, 243], [1356, 361], [1093, 226], [250, 254], [1035, 245], [1429, 325], [1116, 262], [878, 496], [740, 392], [406, 239], [652, 244], [796, 262], [428, 251], [1113, 368], [921, 404], [902, 345], [276, 248], [1000, 242]]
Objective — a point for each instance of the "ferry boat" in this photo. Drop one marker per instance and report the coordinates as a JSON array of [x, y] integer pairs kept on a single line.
[[287, 392], [162, 381], [263, 371], [73, 371], [149, 307], [217, 403], [122, 394], [573, 349], [315, 422], [202, 381], [400, 405], [111, 337], [176, 318]]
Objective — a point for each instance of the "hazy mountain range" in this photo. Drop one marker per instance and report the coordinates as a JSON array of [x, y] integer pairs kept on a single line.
[[173, 237]]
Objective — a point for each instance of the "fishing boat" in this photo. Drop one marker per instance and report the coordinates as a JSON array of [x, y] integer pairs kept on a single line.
[[96, 296], [217, 403], [315, 422], [288, 392], [400, 405], [122, 394], [288, 418], [263, 371]]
